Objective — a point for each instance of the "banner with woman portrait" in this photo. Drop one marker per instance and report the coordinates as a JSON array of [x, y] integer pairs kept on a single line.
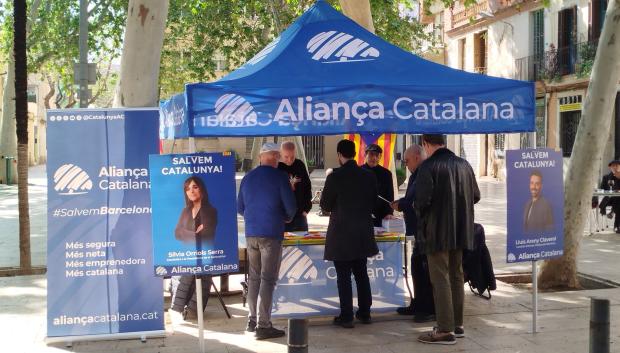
[[194, 214]]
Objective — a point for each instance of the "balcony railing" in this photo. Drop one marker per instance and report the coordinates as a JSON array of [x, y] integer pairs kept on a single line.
[[554, 63], [462, 15]]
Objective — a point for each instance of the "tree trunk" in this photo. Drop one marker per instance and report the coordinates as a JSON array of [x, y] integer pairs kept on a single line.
[[8, 142], [587, 151], [21, 118], [140, 60], [358, 11]]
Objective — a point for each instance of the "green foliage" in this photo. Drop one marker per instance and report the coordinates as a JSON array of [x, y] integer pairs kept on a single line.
[[587, 53], [235, 30], [401, 175], [52, 40]]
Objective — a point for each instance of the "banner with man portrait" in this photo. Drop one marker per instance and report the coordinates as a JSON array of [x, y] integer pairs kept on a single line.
[[194, 214], [535, 190]]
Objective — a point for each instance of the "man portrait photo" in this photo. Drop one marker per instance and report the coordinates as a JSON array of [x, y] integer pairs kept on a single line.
[[537, 213]]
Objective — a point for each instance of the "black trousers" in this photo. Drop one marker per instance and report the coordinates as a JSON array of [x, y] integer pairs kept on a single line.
[[423, 302], [298, 224], [184, 294], [345, 291]]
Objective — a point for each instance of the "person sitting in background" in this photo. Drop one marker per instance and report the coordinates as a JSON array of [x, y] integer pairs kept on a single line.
[[611, 182], [300, 183], [385, 185]]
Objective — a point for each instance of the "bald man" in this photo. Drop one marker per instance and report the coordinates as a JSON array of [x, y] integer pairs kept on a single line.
[[422, 306]]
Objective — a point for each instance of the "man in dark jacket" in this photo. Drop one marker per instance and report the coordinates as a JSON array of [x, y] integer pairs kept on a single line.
[[385, 185], [349, 194], [611, 182], [422, 306], [446, 191], [300, 183]]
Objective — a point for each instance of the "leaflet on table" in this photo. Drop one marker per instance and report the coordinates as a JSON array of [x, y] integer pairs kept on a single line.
[[194, 214]]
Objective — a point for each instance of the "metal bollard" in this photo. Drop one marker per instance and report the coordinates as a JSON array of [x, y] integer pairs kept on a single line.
[[599, 325], [297, 335]]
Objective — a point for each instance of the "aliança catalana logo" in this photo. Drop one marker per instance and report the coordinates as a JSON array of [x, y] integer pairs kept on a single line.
[[339, 47], [234, 109], [263, 53], [70, 179], [296, 266]]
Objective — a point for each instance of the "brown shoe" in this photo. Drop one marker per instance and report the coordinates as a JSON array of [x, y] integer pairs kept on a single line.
[[438, 337]]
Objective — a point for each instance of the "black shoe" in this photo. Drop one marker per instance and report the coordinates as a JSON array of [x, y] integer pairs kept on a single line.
[[338, 321], [405, 310], [251, 327], [420, 317], [264, 333], [459, 332], [364, 319]]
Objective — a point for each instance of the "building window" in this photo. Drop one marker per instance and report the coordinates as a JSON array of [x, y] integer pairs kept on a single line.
[[569, 122], [567, 37], [480, 52], [32, 94], [541, 123], [461, 63], [538, 34], [597, 17], [500, 140]]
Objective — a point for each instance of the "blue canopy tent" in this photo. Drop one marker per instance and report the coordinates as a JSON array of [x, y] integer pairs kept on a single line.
[[326, 75]]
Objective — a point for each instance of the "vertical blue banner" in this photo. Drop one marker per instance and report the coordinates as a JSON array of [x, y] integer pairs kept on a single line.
[[307, 283], [99, 269], [194, 214], [535, 188]]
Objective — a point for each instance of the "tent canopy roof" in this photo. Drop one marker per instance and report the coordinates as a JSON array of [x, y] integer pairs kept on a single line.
[[326, 58]]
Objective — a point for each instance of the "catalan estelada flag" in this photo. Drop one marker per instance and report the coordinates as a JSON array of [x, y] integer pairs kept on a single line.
[[385, 141]]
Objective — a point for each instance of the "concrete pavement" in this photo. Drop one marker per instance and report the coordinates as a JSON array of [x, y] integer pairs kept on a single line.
[[498, 325]]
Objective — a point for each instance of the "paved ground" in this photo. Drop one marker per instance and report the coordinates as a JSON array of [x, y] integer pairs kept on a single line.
[[499, 325]]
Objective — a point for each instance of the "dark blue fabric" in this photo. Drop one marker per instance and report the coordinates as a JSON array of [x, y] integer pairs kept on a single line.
[[326, 75], [266, 202]]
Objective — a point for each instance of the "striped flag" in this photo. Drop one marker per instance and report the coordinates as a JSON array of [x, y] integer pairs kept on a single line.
[[385, 141]]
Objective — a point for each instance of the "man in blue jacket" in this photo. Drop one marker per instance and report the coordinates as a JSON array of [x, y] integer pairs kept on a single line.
[[266, 202], [422, 306]]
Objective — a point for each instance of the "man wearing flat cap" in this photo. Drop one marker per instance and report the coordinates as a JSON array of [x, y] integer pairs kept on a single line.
[[611, 182], [266, 203], [385, 186]]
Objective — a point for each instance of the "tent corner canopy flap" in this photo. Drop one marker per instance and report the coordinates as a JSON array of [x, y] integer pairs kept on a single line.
[[326, 75]]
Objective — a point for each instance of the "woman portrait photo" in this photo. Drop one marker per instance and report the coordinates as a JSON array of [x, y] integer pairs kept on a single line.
[[198, 219]]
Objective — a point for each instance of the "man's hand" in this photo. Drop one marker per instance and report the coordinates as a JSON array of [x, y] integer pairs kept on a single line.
[[389, 217], [305, 213], [394, 205], [293, 181], [199, 229]]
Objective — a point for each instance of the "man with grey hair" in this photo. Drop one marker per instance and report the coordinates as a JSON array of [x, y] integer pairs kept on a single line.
[[266, 203], [422, 305], [300, 183]]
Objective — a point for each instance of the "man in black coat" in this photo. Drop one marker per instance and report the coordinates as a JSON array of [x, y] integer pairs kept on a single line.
[[611, 182], [300, 183], [385, 184], [422, 306], [446, 191], [349, 194]]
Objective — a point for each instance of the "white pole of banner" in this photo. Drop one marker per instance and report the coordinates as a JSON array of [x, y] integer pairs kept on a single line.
[[534, 296], [199, 308]]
